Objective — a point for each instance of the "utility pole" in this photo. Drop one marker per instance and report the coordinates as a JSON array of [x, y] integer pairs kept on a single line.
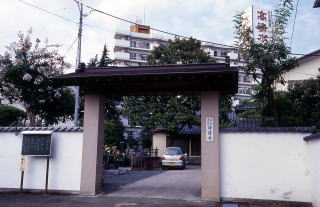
[[77, 96]]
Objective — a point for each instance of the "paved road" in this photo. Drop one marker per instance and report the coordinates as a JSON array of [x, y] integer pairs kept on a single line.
[[30, 200], [165, 184]]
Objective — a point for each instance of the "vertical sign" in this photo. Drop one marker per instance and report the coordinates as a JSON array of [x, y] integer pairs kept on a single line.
[[260, 22], [209, 129]]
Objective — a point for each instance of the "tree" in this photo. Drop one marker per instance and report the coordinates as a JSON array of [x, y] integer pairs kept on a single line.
[[25, 71], [299, 106], [179, 51], [93, 62], [10, 114], [305, 96], [114, 128], [271, 58], [169, 112], [105, 60]]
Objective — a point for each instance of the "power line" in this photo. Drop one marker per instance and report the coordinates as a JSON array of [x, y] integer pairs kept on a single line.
[[304, 73], [57, 15], [70, 47], [152, 28], [294, 21], [305, 54], [62, 17]]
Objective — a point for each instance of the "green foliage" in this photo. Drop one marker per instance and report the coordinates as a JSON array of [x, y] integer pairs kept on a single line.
[[179, 51], [93, 62], [146, 137], [251, 114], [305, 95], [271, 58], [166, 111], [25, 71], [10, 114], [170, 112], [114, 130], [105, 60], [247, 103], [299, 106]]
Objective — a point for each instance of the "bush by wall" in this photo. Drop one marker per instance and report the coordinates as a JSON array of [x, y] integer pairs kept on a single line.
[[10, 114]]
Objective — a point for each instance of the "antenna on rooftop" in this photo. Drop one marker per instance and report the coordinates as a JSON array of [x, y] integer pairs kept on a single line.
[[138, 21], [144, 15]]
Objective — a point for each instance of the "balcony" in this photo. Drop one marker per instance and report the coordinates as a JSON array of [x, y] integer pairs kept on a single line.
[[122, 43], [121, 56]]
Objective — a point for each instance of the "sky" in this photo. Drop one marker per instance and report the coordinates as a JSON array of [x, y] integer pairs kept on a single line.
[[209, 20]]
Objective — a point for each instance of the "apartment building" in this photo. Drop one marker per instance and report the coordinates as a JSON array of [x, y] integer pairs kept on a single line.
[[133, 47]]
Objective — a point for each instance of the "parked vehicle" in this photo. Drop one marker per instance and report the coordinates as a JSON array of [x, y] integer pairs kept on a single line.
[[173, 158]]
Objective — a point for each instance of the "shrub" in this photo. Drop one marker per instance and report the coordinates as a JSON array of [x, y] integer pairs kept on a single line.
[[10, 114]]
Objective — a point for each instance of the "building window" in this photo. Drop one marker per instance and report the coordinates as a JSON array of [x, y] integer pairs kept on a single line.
[[244, 91], [144, 57], [133, 43], [245, 79], [215, 53], [133, 56], [130, 134], [224, 54], [145, 45]]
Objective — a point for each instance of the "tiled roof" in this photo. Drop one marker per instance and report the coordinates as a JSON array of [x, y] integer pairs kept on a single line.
[[270, 129], [195, 130], [55, 129], [190, 130], [153, 80], [312, 137]]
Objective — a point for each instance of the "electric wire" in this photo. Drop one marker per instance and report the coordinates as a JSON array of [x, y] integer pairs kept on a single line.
[[152, 28], [62, 17], [294, 22], [128, 21], [311, 55], [70, 47], [44, 10], [304, 73]]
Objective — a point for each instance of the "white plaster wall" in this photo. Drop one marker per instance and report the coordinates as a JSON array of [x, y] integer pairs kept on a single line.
[[314, 163], [159, 141], [307, 69], [272, 166], [65, 163]]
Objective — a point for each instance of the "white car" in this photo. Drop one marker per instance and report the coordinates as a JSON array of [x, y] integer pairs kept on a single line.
[[173, 158]]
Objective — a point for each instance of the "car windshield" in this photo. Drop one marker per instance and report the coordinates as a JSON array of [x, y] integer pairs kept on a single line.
[[172, 151]]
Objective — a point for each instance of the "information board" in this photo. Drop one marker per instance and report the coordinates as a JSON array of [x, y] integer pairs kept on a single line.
[[209, 129], [36, 144]]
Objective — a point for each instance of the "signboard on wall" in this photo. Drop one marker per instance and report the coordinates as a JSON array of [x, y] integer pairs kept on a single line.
[[209, 129], [36, 143]]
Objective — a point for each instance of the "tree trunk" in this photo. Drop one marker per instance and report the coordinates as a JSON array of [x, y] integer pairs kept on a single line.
[[273, 107], [31, 117]]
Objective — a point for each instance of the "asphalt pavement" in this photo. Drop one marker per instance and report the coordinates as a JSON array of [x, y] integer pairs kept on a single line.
[[40, 200], [158, 183]]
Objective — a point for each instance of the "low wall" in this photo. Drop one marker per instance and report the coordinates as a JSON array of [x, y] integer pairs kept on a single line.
[[313, 143], [65, 162], [266, 165]]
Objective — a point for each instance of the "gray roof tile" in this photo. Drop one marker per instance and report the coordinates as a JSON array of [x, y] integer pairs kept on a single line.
[[55, 129]]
